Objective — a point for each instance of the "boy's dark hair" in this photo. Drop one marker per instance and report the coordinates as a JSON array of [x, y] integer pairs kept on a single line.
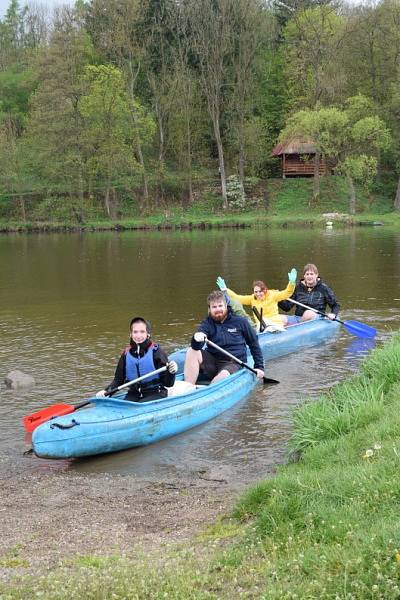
[[141, 320]]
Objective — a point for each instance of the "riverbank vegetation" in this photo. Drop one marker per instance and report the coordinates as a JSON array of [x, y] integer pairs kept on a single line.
[[277, 202], [326, 526], [135, 110]]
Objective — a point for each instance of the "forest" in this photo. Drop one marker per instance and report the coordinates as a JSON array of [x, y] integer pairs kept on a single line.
[[110, 108]]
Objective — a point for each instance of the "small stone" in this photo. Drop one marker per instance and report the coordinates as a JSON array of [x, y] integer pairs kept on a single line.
[[17, 379]]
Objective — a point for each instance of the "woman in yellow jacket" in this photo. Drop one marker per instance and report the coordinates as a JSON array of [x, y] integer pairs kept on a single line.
[[264, 299]]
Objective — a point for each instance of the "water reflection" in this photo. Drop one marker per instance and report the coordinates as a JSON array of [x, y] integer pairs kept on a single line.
[[360, 347]]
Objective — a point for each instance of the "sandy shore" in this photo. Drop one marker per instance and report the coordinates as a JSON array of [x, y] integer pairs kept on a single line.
[[47, 517]]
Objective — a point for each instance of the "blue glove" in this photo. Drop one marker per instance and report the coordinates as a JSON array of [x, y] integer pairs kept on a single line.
[[292, 276], [221, 284]]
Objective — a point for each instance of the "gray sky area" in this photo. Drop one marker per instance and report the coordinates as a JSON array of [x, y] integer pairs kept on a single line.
[[4, 4]]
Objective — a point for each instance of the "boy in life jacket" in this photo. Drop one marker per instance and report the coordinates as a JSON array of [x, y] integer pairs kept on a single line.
[[140, 357]]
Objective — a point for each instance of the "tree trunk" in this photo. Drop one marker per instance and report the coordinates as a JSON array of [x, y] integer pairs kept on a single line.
[[22, 207], [189, 157], [241, 157], [114, 204], [81, 193], [139, 152], [107, 201], [221, 161], [241, 162], [161, 150], [144, 174], [352, 198], [397, 198], [316, 180]]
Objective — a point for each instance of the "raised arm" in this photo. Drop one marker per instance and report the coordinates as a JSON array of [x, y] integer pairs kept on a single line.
[[245, 300]]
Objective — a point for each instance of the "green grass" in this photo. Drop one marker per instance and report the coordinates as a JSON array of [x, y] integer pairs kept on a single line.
[[289, 202], [325, 527]]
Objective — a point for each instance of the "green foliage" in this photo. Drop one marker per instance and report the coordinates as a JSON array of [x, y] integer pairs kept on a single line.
[[361, 168], [16, 88], [108, 128], [167, 106], [312, 39], [350, 405]]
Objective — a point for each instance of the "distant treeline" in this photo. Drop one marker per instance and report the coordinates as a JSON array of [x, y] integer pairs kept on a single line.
[[118, 105]]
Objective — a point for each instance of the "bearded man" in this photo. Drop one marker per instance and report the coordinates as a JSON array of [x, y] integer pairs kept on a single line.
[[229, 331]]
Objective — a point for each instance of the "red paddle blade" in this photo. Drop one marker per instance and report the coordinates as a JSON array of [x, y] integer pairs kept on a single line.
[[30, 422]]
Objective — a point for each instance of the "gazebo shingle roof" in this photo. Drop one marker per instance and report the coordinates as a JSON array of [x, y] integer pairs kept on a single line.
[[295, 146]]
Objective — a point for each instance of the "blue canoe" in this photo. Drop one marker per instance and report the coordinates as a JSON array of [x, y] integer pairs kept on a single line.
[[295, 337], [112, 424]]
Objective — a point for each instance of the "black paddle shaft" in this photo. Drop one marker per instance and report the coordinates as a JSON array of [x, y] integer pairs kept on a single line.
[[266, 380], [259, 317]]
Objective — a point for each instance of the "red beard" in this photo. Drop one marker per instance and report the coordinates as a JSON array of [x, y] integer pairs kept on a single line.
[[220, 317]]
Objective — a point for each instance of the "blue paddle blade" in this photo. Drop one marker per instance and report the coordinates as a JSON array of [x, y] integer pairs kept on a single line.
[[359, 329]]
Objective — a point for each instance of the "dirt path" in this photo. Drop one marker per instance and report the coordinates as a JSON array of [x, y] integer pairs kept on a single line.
[[46, 517]]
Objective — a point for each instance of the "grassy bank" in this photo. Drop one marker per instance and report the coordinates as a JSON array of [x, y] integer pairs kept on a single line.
[[277, 202], [326, 526]]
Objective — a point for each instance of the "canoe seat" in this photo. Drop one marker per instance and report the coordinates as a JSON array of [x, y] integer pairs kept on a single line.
[[181, 387]]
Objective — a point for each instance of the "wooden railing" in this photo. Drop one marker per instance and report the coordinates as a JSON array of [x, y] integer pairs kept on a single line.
[[302, 168]]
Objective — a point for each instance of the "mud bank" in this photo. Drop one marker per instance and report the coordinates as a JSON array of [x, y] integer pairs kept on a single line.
[[49, 517]]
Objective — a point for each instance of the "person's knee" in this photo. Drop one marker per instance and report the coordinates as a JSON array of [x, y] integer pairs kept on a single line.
[[193, 356], [221, 375], [309, 315]]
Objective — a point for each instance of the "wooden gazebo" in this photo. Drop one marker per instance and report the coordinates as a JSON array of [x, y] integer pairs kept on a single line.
[[298, 156]]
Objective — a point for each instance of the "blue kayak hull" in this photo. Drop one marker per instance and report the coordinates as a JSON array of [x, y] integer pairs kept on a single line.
[[113, 424], [295, 337]]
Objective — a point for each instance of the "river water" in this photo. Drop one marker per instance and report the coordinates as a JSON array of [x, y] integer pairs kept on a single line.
[[66, 303]]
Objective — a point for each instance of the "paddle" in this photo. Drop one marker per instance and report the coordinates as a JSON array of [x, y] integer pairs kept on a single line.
[[355, 327], [259, 316], [32, 421], [265, 323], [266, 380]]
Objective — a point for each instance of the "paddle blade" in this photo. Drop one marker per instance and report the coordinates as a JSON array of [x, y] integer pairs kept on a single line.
[[269, 381], [360, 329], [32, 421]]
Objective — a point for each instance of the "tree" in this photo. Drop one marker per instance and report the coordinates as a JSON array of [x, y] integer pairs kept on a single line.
[[13, 167], [185, 117], [108, 130], [211, 24], [393, 115], [372, 48], [251, 26], [313, 37], [113, 27], [347, 136], [54, 129]]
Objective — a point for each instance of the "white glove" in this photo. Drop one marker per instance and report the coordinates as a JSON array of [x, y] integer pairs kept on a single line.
[[292, 276], [199, 336], [101, 394], [260, 373], [172, 367], [221, 284]]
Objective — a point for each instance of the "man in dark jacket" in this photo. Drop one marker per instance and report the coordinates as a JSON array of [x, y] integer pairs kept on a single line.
[[313, 292], [229, 331]]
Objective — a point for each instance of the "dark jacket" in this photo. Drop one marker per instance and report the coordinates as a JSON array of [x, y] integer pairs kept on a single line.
[[232, 335], [142, 389], [318, 297]]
